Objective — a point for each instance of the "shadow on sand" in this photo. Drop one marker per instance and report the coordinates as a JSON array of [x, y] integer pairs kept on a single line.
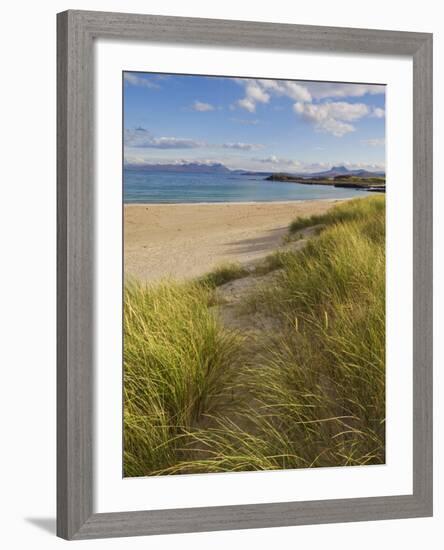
[[263, 243]]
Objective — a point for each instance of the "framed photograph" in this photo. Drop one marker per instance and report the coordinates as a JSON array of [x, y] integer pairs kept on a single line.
[[244, 275]]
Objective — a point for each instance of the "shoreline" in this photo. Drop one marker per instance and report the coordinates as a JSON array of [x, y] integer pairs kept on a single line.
[[239, 203], [186, 240]]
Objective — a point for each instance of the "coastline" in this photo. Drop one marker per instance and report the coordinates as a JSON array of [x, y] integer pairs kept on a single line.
[[186, 240], [240, 203]]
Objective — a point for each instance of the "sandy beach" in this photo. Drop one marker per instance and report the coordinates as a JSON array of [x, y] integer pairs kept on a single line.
[[187, 240]]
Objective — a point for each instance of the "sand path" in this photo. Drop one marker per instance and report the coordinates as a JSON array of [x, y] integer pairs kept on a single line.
[[188, 240]]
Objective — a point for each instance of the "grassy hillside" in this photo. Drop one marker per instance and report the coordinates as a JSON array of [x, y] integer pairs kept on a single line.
[[203, 397]]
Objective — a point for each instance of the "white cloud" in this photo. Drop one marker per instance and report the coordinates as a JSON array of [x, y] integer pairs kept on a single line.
[[286, 88], [175, 143], [334, 117], [141, 138], [202, 106], [374, 142], [340, 110], [254, 93], [377, 112], [247, 104], [273, 159], [372, 167], [261, 90], [242, 146], [135, 80]]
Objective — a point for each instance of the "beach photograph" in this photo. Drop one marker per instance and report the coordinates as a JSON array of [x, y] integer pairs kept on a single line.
[[254, 274]]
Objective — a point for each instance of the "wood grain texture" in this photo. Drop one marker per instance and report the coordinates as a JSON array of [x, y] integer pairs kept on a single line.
[[75, 276], [423, 273], [62, 294], [77, 31], [223, 518], [226, 33]]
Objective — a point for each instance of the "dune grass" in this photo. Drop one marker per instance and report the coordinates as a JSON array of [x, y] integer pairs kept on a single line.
[[177, 361], [317, 386], [353, 210], [224, 273], [275, 260]]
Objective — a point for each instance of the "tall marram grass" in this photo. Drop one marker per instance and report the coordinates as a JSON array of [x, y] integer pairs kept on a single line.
[[177, 358], [224, 273], [353, 210], [317, 385], [323, 380]]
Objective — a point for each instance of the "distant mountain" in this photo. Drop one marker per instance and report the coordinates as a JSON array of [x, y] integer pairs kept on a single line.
[[333, 172], [219, 168], [188, 167], [340, 171]]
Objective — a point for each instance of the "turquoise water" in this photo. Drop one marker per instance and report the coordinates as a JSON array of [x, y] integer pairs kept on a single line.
[[167, 187]]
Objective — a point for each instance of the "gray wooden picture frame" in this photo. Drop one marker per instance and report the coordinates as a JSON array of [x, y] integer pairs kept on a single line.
[[76, 32]]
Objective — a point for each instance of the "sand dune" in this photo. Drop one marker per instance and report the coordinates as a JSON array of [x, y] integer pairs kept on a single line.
[[188, 240]]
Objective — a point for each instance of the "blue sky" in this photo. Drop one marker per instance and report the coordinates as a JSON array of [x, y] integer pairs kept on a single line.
[[253, 124]]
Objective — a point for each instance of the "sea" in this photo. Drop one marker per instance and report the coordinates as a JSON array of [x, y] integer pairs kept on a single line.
[[141, 186]]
